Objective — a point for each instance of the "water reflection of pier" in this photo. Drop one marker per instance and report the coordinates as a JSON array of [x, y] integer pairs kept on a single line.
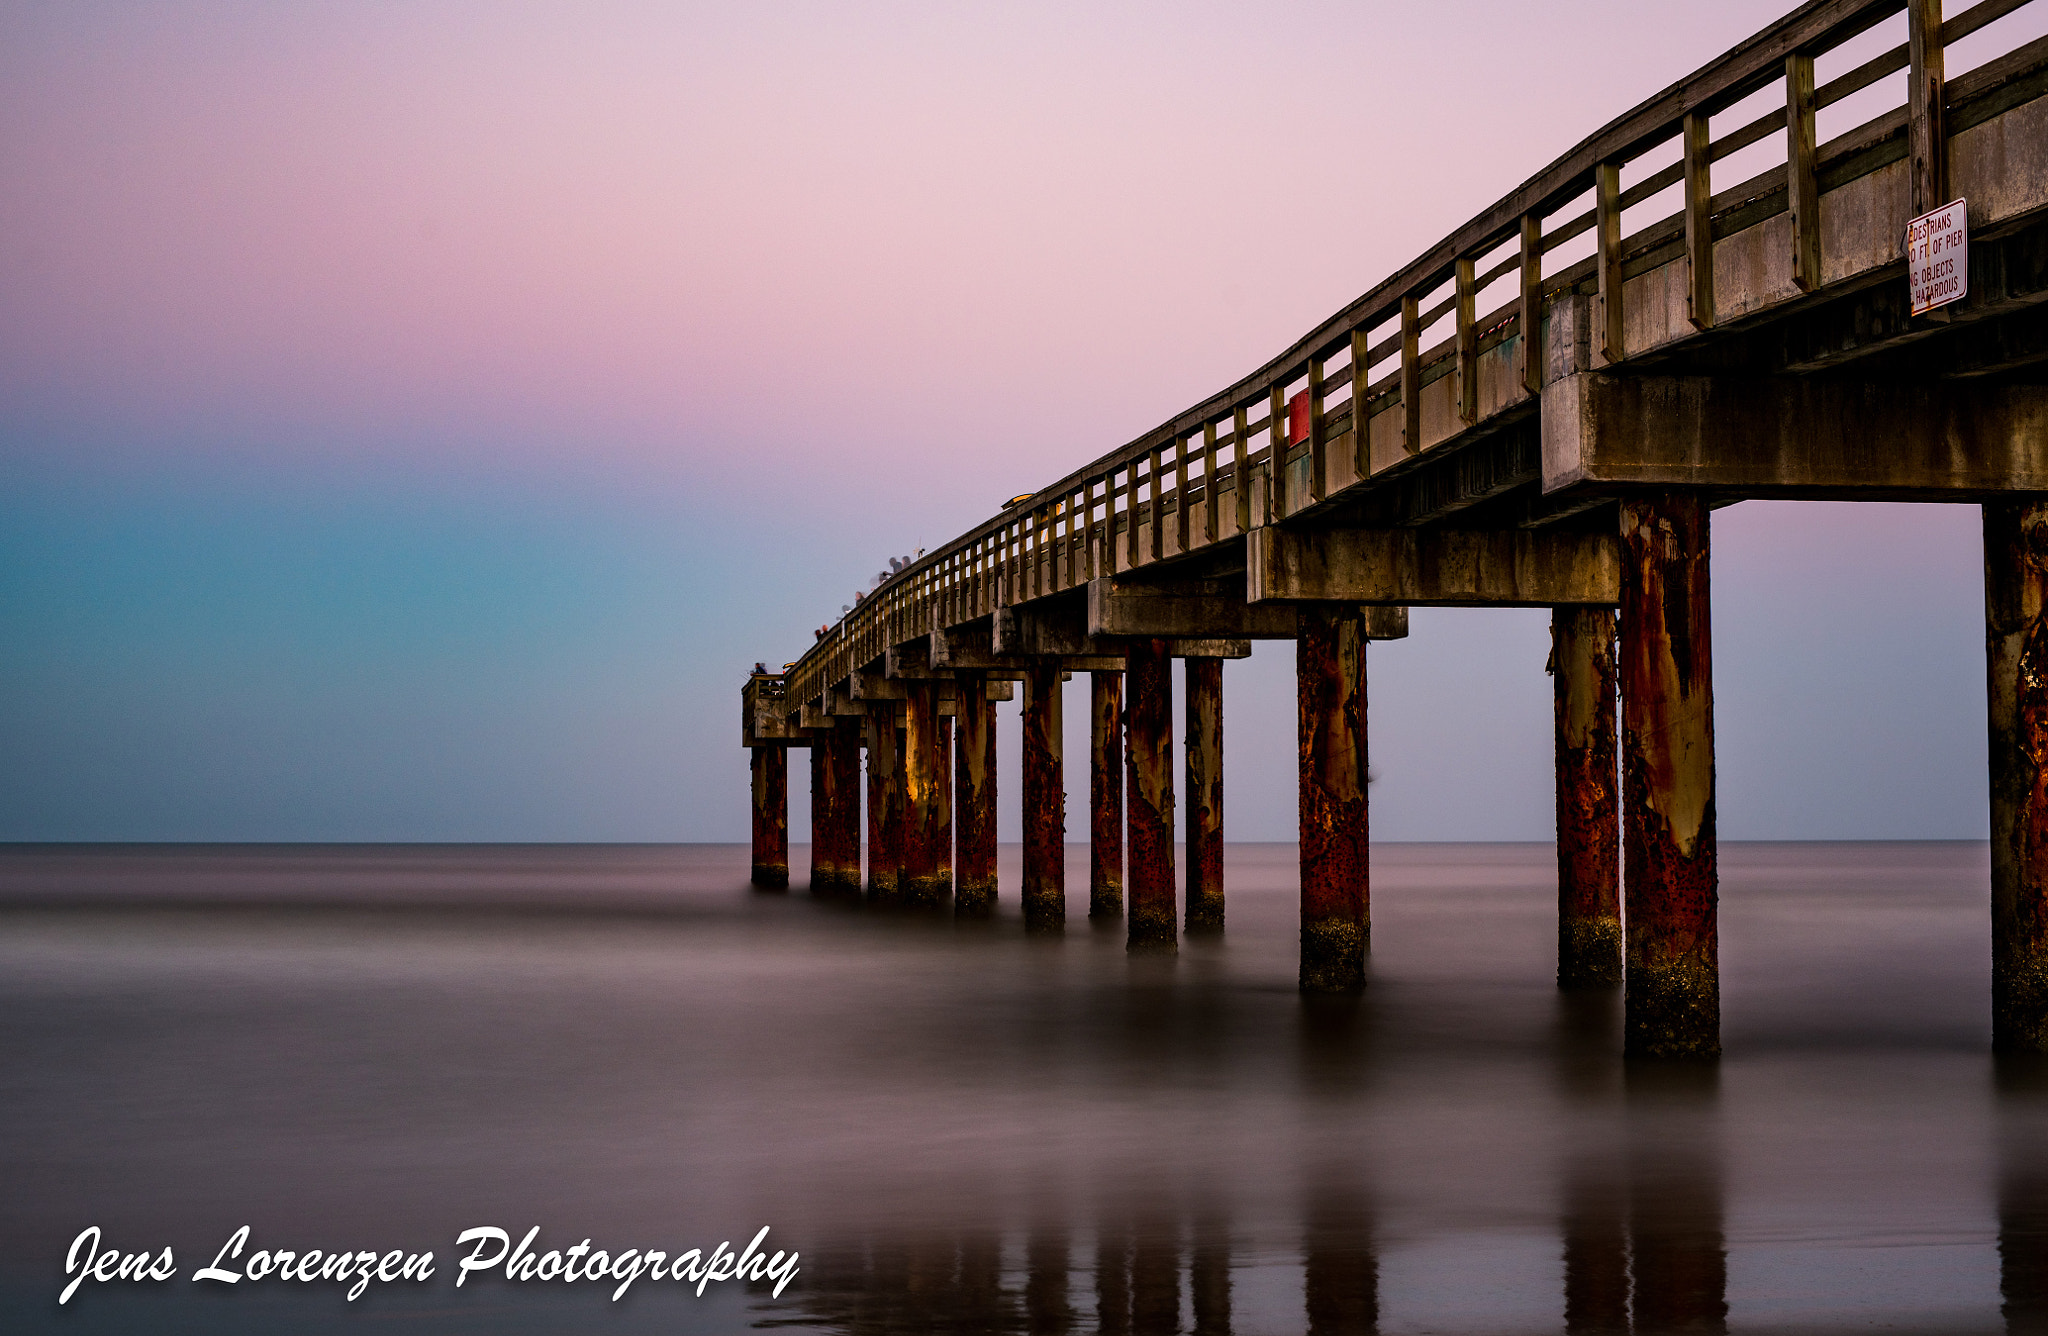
[[1638, 1255], [1640, 1240]]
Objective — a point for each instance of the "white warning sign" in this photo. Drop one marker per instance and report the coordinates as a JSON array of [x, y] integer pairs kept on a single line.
[[1938, 257]]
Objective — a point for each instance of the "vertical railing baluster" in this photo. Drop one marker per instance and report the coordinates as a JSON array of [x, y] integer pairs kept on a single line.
[[1926, 131], [1157, 464], [1699, 221], [1802, 190], [1464, 322], [1607, 228], [1411, 374], [1317, 483], [1276, 455], [1531, 317], [1209, 481], [1180, 492], [1361, 422], [1240, 459]]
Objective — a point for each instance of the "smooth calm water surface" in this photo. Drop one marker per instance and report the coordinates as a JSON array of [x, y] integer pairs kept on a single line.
[[964, 1128]]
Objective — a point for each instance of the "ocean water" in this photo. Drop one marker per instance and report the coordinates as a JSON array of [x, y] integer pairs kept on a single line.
[[961, 1127]]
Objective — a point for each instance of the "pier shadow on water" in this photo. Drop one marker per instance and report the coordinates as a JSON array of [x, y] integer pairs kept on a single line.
[[965, 1128]]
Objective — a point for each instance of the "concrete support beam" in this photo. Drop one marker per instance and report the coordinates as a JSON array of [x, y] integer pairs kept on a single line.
[[771, 818], [1336, 919], [1045, 802], [1203, 753], [1434, 567], [1588, 805], [1057, 631], [866, 686], [884, 741], [1673, 1006], [971, 646], [835, 808], [1061, 628], [2016, 638], [1148, 712], [1812, 438], [1105, 795], [1191, 609], [974, 798], [927, 877], [912, 661], [1184, 648]]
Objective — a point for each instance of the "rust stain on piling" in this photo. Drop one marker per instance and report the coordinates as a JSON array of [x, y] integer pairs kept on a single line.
[[2016, 644], [771, 818], [835, 808], [974, 780], [1045, 801], [1589, 945], [1673, 1006], [1149, 719], [927, 876], [1203, 749], [1330, 684], [885, 801], [1105, 795]]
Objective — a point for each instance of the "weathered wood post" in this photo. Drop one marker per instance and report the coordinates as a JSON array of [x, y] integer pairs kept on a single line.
[[1045, 799], [771, 818], [974, 790], [1336, 861], [1106, 795], [2016, 641], [1149, 680], [1588, 805], [885, 800], [1203, 751], [835, 808], [927, 876], [1673, 1005]]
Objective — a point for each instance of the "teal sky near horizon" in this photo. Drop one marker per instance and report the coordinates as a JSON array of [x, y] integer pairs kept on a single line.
[[415, 419]]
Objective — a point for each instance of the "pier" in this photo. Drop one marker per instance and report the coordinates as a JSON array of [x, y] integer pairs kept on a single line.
[[1500, 424]]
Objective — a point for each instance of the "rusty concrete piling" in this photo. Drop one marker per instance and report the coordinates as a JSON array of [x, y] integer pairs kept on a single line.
[[1203, 753], [1149, 801], [1045, 800], [1673, 1000], [927, 876], [1336, 922], [974, 798], [771, 818], [1588, 806], [835, 808], [885, 801], [1105, 795], [2016, 663], [946, 792]]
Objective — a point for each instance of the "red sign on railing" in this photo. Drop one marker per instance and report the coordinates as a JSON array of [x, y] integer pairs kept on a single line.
[[1297, 418]]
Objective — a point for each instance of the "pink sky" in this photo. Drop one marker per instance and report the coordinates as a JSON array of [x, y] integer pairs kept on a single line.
[[1009, 236], [633, 337]]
